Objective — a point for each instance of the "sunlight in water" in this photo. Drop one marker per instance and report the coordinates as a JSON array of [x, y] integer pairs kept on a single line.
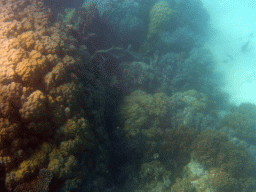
[[234, 44]]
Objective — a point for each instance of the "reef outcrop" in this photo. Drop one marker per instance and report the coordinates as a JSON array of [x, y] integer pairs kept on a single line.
[[43, 121]]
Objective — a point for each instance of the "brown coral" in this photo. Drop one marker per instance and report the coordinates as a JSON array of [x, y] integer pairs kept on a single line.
[[31, 69], [10, 98], [142, 111], [77, 139], [28, 39], [35, 106], [41, 183], [37, 93]]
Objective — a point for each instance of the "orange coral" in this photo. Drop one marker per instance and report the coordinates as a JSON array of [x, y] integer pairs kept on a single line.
[[28, 39], [32, 69], [46, 45], [10, 97]]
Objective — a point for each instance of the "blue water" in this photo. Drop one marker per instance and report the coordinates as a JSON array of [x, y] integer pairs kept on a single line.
[[233, 23]]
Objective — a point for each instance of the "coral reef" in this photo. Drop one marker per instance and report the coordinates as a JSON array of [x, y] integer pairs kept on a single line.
[[195, 72], [34, 107], [159, 15], [41, 183], [241, 125], [199, 159], [138, 75], [128, 20], [228, 161], [43, 118], [194, 99], [182, 71], [205, 161], [189, 108], [222, 181], [143, 113], [154, 176], [247, 109], [89, 16], [88, 27], [77, 139], [31, 166], [182, 185]]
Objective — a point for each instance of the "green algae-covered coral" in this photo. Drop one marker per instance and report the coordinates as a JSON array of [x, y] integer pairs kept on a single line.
[[159, 15], [142, 111]]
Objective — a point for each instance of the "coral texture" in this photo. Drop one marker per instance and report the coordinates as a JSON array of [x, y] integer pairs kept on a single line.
[[40, 99], [41, 183], [241, 122], [142, 111], [138, 75], [127, 19]]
